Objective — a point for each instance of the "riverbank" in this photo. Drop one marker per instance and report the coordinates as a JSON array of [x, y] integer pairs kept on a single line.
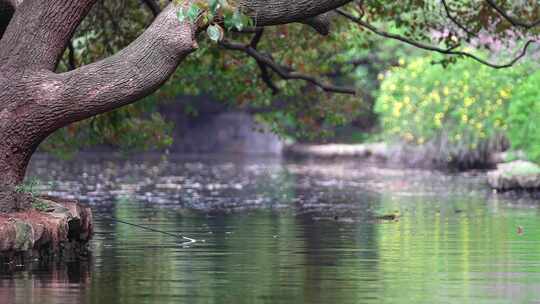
[[407, 156], [506, 171], [63, 229]]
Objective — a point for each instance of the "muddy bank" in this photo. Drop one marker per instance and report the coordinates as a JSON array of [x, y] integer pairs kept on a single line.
[[63, 229]]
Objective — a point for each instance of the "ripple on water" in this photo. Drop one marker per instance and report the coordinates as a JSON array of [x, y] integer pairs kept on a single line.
[[272, 231]]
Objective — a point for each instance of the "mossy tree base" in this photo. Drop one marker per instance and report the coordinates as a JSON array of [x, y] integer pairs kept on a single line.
[[63, 229]]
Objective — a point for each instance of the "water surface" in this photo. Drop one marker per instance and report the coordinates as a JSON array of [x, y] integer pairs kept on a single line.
[[274, 231]]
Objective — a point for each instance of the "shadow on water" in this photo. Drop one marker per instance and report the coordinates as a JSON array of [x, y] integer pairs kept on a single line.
[[272, 231]]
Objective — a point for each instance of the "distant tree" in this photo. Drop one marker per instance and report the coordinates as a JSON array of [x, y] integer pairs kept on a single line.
[[38, 97]]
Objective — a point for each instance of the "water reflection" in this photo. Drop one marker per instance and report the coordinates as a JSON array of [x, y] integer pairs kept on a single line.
[[270, 231]]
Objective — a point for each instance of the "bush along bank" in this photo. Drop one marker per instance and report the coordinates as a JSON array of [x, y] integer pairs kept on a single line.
[[461, 115]]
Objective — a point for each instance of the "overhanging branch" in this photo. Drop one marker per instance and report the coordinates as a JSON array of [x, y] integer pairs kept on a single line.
[[513, 20], [265, 62], [448, 51], [274, 12]]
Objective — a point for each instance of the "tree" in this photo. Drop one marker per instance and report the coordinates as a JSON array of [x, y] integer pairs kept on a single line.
[[292, 108], [35, 100]]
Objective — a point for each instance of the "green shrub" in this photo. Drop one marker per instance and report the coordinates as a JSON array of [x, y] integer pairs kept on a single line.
[[461, 109], [524, 117]]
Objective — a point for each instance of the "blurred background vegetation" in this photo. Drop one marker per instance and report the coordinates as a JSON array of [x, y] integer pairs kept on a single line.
[[458, 108]]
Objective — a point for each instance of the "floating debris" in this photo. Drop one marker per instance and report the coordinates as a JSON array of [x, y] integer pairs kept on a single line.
[[389, 217]]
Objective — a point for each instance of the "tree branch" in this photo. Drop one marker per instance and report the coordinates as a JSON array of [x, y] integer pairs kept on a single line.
[[274, 12], [39, 32], [36, 101], [265, 76], [320, 23], [283, 72], [449, 51], [514, 21], [455, 21], [129, 75]]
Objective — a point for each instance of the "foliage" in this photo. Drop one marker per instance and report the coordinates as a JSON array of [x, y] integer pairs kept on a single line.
[[367, 55], [299, 110], [210, 11], [132, 127], [30, 188], [40, 205], [524, 117], [136, 126], [464, 105]]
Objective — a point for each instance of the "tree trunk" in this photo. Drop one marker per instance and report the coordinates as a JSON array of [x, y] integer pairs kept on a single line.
[[35, 102]]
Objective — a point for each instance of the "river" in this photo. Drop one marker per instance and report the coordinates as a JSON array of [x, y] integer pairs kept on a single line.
[[269, 230]]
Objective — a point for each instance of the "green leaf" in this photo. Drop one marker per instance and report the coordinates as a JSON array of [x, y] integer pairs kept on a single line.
[[181, 14], [246, 20], [215, 32], [228, 20], [193, 13], [214, 6], [237, 20]]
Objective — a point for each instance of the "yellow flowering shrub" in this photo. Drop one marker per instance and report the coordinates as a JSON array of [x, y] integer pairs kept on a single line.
[[464, 104]]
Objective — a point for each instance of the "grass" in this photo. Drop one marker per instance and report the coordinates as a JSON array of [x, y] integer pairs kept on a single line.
[[40, 205], [29, 187]]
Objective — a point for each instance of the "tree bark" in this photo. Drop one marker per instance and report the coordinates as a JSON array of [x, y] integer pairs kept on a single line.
[[274, 12], [35, 102]]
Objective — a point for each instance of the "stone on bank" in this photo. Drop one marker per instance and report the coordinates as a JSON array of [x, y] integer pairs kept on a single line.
[[516, 175]]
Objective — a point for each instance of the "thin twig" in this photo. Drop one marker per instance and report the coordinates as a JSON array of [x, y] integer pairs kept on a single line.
[[455, 21]]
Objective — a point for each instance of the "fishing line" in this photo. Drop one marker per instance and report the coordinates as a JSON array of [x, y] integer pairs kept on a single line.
[[188, 241]]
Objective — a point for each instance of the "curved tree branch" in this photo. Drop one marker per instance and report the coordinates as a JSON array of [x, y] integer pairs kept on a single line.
[[39, 32], [454, 19], [274, 12], [514, 21], [284, 72], [320, 23], [34, 101], [449, 51], [265, 76], [129, 75]]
